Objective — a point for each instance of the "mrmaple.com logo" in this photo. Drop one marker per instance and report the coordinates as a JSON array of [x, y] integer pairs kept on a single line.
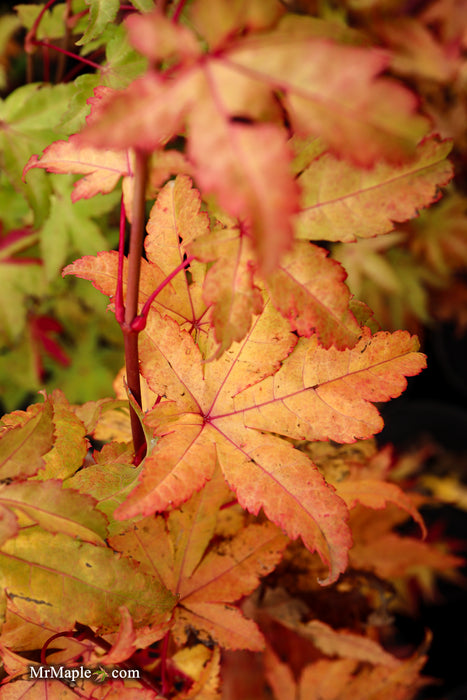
[[99, 675]]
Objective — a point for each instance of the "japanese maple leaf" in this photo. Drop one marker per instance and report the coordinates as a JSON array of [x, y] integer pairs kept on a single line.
[[225, 411], [206, 575], [345, 679], [243, 157], [307, 288], [342, 203], [224, 288], [102, 171], [174, 221], [404, 557]]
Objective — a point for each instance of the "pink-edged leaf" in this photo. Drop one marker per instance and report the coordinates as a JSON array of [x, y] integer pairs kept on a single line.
[[174, 222], [248, 168], [329, 394], [343, 203], [206, 583], [124, 643], [229, 284], [222, 412], [335, 91], [102, 271], [102, 169], [158, 112], [377, 494], [233, 569], [308, 289]]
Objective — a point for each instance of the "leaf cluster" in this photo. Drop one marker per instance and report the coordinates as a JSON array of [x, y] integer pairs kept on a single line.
[[276, 146]]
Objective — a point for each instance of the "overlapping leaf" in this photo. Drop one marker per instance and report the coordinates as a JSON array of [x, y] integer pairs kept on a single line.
[[308, 288], [102, 170], [101, 13], [343, 203], [55, 509], [225, 411], [55, 579], [379, 549], [358, 475], [23, 446], [207, 584], [30, 116], [243, 158], [70, 445]]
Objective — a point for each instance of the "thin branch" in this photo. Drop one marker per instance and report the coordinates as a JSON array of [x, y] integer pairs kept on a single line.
[[30, 38], [178, 11], [40, 42], [119, 305], [139, 323], [138, 221]]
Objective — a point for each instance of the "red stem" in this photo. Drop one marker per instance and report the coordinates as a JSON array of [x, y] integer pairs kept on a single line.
[[145, 310], [40, 42], [178, 11], [49, 641], [119, 305], [131, 308], [30, 39]]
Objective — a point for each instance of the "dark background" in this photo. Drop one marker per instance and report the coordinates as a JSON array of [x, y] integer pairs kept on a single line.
[[434, 408]]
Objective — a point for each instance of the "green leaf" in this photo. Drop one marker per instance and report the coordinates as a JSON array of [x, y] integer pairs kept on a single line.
[[109, 484], [56, 580], [18, 282], [70, 444], [56, 509], [23, 446], [14, 207], [124, 64], [52, 24], [78, 109], [101, 13], [35, 108], [70, 225], [29, 119]]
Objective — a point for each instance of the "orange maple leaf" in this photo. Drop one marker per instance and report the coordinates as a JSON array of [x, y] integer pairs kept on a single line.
[[207, 584], [242, 89], [225, 411], [308, 288]]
